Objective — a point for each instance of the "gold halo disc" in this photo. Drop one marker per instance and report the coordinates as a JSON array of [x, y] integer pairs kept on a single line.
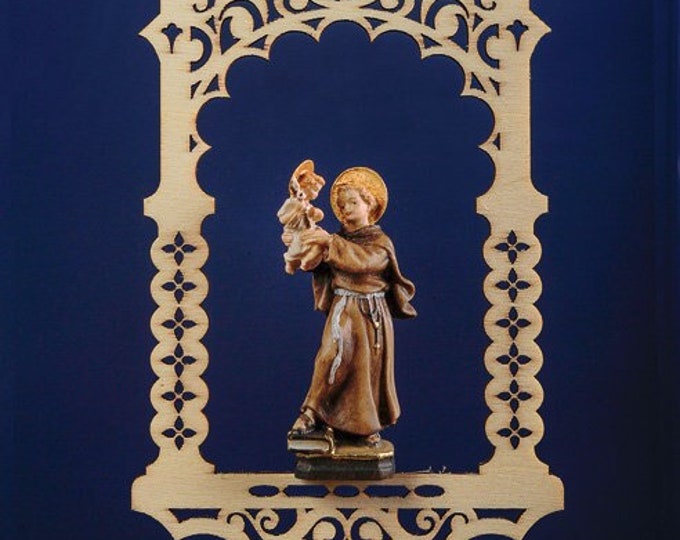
[[361, 177]]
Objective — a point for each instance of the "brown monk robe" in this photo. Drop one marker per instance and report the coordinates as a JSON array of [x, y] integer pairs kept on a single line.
[[360, 287]]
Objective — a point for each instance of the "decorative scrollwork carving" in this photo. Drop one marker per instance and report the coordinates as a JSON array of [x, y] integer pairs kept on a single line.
[[209, 4], [486, 5], [358, 523], [445, 27]]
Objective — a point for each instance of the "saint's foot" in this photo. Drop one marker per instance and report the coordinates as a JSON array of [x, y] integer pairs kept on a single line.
[[373, 440], [304, 425]]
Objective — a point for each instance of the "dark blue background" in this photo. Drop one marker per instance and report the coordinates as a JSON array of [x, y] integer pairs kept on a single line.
[[84, 153]]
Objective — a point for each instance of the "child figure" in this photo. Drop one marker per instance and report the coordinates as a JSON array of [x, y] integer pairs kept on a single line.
[[297, 215]]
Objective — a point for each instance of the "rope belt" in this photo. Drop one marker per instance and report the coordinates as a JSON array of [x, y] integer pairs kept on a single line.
[[373, 313]]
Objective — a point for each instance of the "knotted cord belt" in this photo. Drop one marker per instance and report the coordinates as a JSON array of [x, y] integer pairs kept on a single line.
[[373, 313]]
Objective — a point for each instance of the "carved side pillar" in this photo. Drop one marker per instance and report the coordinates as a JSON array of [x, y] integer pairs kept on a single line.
[[179, 207], [512, 206]]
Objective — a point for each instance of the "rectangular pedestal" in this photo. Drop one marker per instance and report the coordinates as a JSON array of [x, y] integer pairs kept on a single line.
[[328, 468]]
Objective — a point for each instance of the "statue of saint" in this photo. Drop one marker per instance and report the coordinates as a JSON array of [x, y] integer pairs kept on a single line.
[[358, 284]]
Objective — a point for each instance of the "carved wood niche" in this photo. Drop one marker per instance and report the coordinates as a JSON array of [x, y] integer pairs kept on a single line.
[[492, 41]]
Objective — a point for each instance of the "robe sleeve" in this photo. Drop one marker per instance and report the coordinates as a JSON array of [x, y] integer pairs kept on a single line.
[[353, 258]]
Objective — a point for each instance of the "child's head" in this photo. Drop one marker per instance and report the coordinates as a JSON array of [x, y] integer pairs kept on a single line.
[[308, 182], [311, 184]]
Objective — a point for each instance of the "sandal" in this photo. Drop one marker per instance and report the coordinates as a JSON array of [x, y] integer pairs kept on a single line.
[[304, 425], [373, 440]]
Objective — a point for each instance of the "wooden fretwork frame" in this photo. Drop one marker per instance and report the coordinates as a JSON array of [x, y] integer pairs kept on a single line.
[[492, 40]]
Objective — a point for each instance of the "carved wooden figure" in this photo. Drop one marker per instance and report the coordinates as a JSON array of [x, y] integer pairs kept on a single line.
[[297, 215], [514, 488], [358, 284]]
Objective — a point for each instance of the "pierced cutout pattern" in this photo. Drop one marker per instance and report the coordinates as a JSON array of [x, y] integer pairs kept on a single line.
[[180, 393], [179, 433], [513, 285], [178, 360], [178, 396], [178, 286], [514, 395], [512, 247], [178, 324], [179, 248], [171, 32], [517, 29], [514, 360]]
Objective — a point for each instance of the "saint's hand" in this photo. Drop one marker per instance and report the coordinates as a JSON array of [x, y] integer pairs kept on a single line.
[[316, 236]]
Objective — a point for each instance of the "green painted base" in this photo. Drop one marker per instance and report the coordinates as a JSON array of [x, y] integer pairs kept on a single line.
[[349, 461]]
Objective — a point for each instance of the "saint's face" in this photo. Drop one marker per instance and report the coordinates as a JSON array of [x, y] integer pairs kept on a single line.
[[353, 209]]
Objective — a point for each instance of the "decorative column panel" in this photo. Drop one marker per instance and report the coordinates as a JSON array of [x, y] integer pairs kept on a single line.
[[178, 207], [512, 206]]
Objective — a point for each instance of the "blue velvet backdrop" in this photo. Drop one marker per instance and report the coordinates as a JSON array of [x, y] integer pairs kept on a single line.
[[84, 153]]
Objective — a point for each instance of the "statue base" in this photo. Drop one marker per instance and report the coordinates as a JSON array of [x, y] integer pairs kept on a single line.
[[342, 459]]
